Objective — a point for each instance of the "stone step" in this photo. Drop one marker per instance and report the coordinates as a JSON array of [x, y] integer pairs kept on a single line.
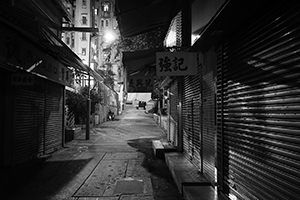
[[161, 147], [184, 172], [201, 193]]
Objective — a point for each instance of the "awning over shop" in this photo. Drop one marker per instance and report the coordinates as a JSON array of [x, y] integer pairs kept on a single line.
[[140, 67], [231, 15], [136, 16], [139, 60], [42, 37]]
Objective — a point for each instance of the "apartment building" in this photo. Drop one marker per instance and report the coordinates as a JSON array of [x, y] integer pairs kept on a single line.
[[92, 37]]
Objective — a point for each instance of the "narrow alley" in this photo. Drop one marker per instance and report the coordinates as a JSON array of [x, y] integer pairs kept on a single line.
[[117, 163]]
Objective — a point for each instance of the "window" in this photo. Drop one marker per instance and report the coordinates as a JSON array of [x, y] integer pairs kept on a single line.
[[84, 4], [105, 7], [83, 51], [84, 20], [83, 36], [106, 23], [68, 40], [102, 22], [72, 43], [96, 11]]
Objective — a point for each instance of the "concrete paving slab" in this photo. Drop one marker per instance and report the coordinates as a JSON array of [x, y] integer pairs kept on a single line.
[[99, 180], [129, 186], [141, 186]]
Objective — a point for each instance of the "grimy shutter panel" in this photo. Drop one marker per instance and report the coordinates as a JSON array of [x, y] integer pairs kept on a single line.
[[29, 124], [191, 119], [3, 76], [54, 114], [174, 100], [259, 106], [208, 113], [2, 100], [173, 112]]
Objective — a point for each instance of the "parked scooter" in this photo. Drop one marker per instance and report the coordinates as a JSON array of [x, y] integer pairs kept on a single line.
[[111, 116]]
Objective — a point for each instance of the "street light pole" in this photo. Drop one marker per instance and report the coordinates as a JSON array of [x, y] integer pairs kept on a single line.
[[88, 101], [88, 108]]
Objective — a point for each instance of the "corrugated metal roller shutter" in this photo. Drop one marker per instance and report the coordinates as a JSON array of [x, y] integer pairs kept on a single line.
[[221, 165], [3, 76], [259, 111], [54, 114], [29, 126], [174, 100], [2, 99], [208, 114], [191, 118], [174, 112]]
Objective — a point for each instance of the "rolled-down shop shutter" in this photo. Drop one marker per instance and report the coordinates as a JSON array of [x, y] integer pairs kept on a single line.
[[208, 113], [3, 76], [191, 119], [54, 117], [2, 99], [29, 121], [174, 112], [259, 107]]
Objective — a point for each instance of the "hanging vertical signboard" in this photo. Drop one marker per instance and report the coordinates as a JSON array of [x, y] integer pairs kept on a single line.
[[176, 63]]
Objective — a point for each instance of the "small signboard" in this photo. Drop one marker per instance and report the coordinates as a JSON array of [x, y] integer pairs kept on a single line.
[[140, 84], [22, 79], [176, 63]]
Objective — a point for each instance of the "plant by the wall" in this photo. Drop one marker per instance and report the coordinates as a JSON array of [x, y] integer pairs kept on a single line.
[[76, 103]]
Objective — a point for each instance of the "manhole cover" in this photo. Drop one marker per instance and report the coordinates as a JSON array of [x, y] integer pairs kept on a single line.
[[129, 186]]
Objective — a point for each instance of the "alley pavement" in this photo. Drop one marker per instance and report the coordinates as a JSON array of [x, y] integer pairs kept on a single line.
[[116, 163]]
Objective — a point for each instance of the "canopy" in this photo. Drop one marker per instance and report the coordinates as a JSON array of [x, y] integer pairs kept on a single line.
[[43, 37], [140, 16], [139, 60]]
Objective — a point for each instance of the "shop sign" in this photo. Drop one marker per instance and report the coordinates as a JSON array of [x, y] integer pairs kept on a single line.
[[176, 63], [18, 52], [140, 84], [22, 79]]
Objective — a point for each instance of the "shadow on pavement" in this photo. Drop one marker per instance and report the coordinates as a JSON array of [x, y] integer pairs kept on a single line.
[[42, 180], [163, 184]]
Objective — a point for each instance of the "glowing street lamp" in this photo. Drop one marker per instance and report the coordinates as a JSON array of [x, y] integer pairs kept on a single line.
[[109, 36]]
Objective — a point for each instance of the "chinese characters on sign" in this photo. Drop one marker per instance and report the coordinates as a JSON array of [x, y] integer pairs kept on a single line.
[[140, 84], [22, 79], [18, 52], [14, 51], [176, 63]]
